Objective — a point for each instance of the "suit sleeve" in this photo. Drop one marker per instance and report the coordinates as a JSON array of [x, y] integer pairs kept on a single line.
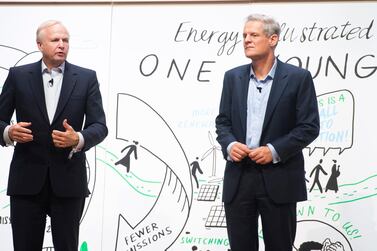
[[224, 118], [7, 101], [95, 129], [306, 127]]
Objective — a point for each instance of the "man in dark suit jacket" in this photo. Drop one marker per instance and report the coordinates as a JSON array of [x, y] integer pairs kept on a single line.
[[59, 116], [268, 114]]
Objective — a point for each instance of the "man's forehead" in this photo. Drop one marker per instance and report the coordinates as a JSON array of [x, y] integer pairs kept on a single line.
[[253, 27], [253, 23], [56, 30]]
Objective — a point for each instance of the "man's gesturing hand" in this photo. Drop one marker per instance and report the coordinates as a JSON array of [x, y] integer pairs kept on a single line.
[[69, 138], [20, 133]]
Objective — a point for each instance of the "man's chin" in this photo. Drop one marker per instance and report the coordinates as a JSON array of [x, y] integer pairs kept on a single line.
[[59, 61], [251, 56]]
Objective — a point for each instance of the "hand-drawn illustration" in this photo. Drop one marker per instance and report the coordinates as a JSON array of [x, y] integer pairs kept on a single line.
[[316, 170], [332, 183], [327, 245], [216, 217], [208, 192], [357, 190], [125, 161], [212, 151], [336, 111], [196, 167], [150, 224], [323, 237]]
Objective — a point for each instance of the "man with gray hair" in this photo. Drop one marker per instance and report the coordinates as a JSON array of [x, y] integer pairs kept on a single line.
[[268, 114], [59, 116]]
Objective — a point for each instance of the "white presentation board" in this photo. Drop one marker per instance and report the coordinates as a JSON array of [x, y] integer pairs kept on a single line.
[[156, 180]]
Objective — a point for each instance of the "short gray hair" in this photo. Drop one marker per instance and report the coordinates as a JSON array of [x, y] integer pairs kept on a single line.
[[46, 24], [270, 25]]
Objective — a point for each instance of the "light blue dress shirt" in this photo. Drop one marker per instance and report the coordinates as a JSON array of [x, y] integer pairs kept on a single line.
[[257, 98]]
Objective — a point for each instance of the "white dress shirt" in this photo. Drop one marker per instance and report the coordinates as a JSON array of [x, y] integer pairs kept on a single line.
[[52, 85]]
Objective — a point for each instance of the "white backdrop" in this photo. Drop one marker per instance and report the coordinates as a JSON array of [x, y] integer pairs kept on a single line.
[[156, 180]]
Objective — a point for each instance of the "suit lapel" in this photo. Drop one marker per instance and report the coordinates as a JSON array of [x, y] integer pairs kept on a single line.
[[69, 82], [36, 83], [244, 80], [278, 85]]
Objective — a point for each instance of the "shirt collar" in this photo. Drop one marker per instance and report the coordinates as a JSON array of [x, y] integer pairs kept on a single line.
[[60, 68], [270, 75]]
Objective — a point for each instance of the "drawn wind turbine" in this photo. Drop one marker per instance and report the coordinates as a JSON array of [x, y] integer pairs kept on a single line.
[[212, 150]]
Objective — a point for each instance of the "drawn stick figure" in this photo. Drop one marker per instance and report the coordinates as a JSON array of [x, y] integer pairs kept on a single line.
[[317, 169], [126, 160], [196, 167], [332, 183]]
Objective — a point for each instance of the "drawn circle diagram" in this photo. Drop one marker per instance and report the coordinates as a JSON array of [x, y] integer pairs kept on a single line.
[[153, 182], [320, 235]]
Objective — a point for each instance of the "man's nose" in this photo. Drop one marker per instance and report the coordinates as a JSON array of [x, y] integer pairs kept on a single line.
[[61, 43], [247, 38]]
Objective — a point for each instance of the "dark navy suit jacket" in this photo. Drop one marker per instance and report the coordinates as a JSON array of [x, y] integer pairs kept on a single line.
[[291, 123], [80, 103]]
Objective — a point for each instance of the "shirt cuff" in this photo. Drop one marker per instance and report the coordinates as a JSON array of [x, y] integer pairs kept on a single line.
[[79, 146], [228, 150], [275, 155], [81, 143], [7, 140]]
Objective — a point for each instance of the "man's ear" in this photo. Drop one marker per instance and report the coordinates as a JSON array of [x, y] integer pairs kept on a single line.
[[39, 44], [274, 39]]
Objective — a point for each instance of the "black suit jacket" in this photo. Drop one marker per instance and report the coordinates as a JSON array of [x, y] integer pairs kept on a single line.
[[291, 123], [80, 103]]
